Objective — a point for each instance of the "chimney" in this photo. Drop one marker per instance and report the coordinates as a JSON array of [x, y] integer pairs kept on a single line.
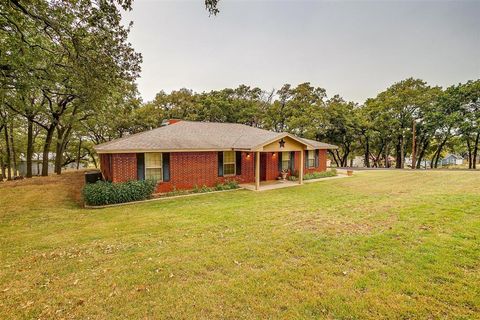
[[167, 122]]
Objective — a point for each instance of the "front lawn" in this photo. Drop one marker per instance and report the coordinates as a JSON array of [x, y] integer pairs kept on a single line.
[[384, 244]]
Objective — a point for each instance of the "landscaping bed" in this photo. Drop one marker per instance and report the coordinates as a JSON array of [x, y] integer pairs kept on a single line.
[[104, 193], [315, 175]]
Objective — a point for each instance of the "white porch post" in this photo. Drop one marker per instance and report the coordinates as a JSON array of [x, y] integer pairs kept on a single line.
[[257, 170], [302, 165]]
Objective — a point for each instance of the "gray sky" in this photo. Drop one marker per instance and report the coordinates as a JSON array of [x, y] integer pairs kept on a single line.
[[355, 49]]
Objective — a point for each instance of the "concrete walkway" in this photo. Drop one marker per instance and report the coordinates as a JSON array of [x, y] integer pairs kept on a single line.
[[279, 184]]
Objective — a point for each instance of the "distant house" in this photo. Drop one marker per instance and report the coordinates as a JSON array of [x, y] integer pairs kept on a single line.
[[452, 159], [359, 161], [423, 164], [185, 154], [37, 164]]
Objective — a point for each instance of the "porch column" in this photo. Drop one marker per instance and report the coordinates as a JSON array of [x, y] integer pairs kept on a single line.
[[302, 164], [257, 170]]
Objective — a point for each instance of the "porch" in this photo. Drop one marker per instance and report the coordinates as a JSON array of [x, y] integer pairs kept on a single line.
[[273, 158], [269, 185]]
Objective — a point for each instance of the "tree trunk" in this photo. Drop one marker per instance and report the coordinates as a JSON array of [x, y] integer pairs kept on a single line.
[[387, 165], [398, 154], [344, 160], [469, 148], [333, 156], [59, 151], [63, 136], [402, 152], [29, 147], [421, 154], [2, 169], [437, 153], [38, 164], [376, 160], [13, 155], [2, 165], [9, 163], [414, 145], [475, 152], [367, 152], [78, 152], [436, 156], [93, 159], [46, 149]]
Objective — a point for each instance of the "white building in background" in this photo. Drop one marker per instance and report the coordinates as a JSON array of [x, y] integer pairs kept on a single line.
[[452, 159], [37, 164]]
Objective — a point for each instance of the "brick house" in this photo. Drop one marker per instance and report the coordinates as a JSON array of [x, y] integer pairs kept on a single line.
[[184, 154]]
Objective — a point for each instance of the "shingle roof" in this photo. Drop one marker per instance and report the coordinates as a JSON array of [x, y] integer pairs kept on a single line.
[[189, 135]]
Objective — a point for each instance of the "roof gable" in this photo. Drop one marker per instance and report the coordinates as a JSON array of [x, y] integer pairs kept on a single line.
[[199, 136]]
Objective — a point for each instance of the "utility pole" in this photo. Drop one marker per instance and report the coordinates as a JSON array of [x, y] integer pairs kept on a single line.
[[414, 151]]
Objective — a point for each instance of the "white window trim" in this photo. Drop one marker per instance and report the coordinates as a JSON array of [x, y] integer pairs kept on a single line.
[[312, 159], [234, 165], [145, 164], [289, 159]]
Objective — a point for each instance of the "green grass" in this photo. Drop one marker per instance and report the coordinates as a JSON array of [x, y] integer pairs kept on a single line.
[[386, 244]]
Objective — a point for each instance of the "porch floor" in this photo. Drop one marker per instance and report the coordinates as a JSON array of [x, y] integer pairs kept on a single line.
[[270, 185], [278, 184]]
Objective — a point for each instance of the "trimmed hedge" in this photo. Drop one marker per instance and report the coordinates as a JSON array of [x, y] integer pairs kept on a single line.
[[318, 175], [102, 193], [315, 175]]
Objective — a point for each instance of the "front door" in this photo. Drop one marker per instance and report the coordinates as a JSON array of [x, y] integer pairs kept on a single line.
[[263, 166]]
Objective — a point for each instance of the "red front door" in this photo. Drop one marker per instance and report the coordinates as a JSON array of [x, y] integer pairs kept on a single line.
[[263, 166]]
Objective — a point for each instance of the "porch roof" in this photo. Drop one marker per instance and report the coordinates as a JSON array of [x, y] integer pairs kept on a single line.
[[202, 136]]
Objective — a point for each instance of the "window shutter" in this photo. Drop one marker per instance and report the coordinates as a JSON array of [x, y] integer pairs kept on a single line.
[[292, 161], [316, 158], [238, 162], [306, 159], [140, 166], [279, 162], [166, 166], [220, 164]]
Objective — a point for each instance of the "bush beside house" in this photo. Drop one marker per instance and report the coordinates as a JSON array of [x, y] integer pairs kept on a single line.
[[103, 193], [315, 175]]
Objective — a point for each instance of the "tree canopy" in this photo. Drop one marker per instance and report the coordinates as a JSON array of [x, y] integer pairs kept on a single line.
[[68, 81]]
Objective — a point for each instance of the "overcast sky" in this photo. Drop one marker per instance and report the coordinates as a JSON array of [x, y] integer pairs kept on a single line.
[[355, 49]]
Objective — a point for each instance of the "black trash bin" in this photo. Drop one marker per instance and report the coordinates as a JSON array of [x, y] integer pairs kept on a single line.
[[93, 176]]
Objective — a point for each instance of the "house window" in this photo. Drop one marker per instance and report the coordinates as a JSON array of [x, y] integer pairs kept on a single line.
[[285, 160], [311, 159], [229, 163], [153, 166]]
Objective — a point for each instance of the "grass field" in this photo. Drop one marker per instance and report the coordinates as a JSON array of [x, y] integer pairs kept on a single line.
[[387, 244]]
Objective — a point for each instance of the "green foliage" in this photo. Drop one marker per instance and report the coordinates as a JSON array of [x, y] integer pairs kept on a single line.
[[103, 193], [227, 185], [314, 175], [292, 178], [318, 175]]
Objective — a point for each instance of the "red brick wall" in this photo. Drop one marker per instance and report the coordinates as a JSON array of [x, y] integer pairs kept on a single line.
[[272, 166], [124, 167], [190, 169], [322, 162], [105, 166]]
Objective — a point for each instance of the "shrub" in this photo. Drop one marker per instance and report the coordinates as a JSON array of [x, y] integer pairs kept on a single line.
[[293, 178], [102, 193], [318, 175], [227, 185]]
